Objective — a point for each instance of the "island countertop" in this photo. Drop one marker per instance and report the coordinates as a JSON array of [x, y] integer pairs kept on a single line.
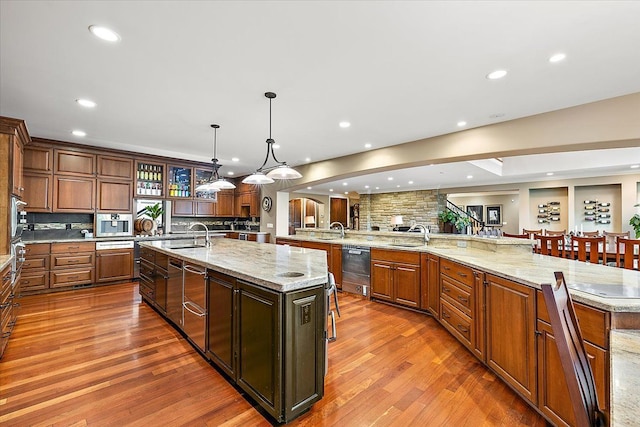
[[276, 267]]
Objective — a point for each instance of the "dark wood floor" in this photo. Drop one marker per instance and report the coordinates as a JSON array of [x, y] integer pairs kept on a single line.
[[100, 357]]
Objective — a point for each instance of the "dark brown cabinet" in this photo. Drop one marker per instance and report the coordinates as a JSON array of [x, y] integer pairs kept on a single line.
[[114, 167], [114, 196], [430, 288], [38, 159], [114, 264], [74, 163], [224, 203], [38, 192], [510, 334], [72, 264], [35, 269], [395, 276], [205, 208], [17, 184], [73, 194], [221, 327]]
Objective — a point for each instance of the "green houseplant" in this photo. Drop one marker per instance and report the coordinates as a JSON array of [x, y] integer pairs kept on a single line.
[[153, 211], [635, 222], [462, 222], [448, 219]]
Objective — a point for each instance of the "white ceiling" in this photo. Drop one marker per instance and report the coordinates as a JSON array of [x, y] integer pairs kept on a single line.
[[398, 71]]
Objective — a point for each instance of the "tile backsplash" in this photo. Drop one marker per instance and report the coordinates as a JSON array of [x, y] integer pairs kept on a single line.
[[46, 226]]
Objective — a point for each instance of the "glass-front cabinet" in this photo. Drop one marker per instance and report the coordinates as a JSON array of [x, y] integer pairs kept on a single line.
[[203, 176], [179, 182], [149, 179]]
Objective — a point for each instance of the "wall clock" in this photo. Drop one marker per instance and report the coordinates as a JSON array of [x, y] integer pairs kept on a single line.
[[266, 203]]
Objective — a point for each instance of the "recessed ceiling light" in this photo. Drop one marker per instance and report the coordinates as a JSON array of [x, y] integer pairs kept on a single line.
[[331, 189], [307, 159], [276, 146], [469, 176], [309, 188], [549, 173], [497, 74], [557, 57], [86, 103], [635, 166], [344, 125], [462, 123], [230, 173], [390, 178], [366, 186], [410, 182], [344, 183], [367, 145], [235, 159], [346, 192], [104, 33], [79, 133], [398, 186], [377, 188]]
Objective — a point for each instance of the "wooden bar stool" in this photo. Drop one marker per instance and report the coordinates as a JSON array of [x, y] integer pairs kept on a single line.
[[589, 249], [628, 253], [551, 245], [573, 356]]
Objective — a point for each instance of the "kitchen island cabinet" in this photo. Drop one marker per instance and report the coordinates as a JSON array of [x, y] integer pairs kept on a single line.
[[395, 277], [266, 320]]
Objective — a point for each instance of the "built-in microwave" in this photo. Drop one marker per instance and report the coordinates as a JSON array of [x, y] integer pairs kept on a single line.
[[17, 217], [113, 224]]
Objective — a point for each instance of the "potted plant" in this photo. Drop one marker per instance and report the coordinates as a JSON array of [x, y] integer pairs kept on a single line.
[[154, 212], [448, 219], [635, 222], [462, 222]]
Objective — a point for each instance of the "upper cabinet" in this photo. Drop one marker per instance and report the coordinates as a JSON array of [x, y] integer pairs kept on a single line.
[[74, 163], [112, 167], [38, 159], [38, 178], [150, 179], [179, 182], [17, 168]]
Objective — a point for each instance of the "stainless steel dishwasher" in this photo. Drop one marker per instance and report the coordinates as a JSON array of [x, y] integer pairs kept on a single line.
[[194, 303]]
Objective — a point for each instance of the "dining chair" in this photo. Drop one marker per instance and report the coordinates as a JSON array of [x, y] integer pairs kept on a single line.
[[573, 356], [628, 253], [591, 233], [613, 237], [531, 232], [589, 249], [517, 236], [551, 245], [555, 232]]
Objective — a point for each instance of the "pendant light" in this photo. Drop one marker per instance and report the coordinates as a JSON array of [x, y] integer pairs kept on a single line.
[[215, 183], [280, 171]]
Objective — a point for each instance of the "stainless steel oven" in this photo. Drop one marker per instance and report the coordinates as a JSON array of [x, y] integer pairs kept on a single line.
[[356, 269], [17, 218], [113, 224]]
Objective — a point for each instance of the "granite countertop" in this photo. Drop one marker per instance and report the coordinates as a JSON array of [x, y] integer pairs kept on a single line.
[[262, 264], [5, 260], [173, 236], [511, 259], [625, 377]]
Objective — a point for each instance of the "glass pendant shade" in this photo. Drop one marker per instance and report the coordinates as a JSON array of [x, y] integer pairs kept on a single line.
[[215, 183], [258, 178], [284, 172]]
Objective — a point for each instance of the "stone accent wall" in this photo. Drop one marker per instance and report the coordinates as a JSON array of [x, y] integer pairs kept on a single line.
[[419, 206]]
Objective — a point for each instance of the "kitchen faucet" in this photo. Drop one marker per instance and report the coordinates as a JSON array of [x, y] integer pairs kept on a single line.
[[207, 240], [426, 231], [341, 228]]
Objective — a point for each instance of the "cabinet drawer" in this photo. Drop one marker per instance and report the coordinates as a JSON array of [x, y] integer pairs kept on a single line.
[[594, 323], [37, 249], [395, 256], [72, 247], [147, 270], [34, 282], [36, 262], [72, 260], [147, 291], [456, 271], [456, 322], [148, 255], [64, 278], [457, 293]]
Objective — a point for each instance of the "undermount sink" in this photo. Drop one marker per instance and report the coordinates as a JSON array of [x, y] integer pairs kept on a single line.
[[188, 247], [406, 245], [290, 274]]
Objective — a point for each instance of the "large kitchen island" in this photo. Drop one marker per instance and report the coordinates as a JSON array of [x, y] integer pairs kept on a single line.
[[257, 311]]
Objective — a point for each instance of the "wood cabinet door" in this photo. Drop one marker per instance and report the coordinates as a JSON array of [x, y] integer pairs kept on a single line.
[[510, 339], [433, 283], [224, 205], [182, 208], [259, 367], [115, 167], [406, 284], [73, 194], [221, 331], [17, 186], [336, 264], [338, 210], [114, 265], [205, 209], [38, 159], [74, 163], [38, 192], [114, 196], [254, 204], [382, 280], [478, 323]]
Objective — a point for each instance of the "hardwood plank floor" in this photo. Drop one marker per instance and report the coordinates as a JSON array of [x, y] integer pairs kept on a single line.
[[100, 357]]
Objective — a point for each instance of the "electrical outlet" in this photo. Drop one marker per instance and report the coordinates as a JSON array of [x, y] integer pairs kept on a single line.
[[68, 226], [306, 314]]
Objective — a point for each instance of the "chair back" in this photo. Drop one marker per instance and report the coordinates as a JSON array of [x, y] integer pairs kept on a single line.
[[551, 245], [531, 233], [573, 356], [517, 236], [628, 253], [591, 233], [612, 238], [555, 232], [589, 249]]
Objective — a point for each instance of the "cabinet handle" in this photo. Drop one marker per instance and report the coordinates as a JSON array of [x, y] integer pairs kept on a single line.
[[446, 315], [445, 289], [26, 282], [462, 274], [73, 247], [6, 335], [72, 277], [462, 328], [462, 299], [446, 268], [193, 270], [186, 305]]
